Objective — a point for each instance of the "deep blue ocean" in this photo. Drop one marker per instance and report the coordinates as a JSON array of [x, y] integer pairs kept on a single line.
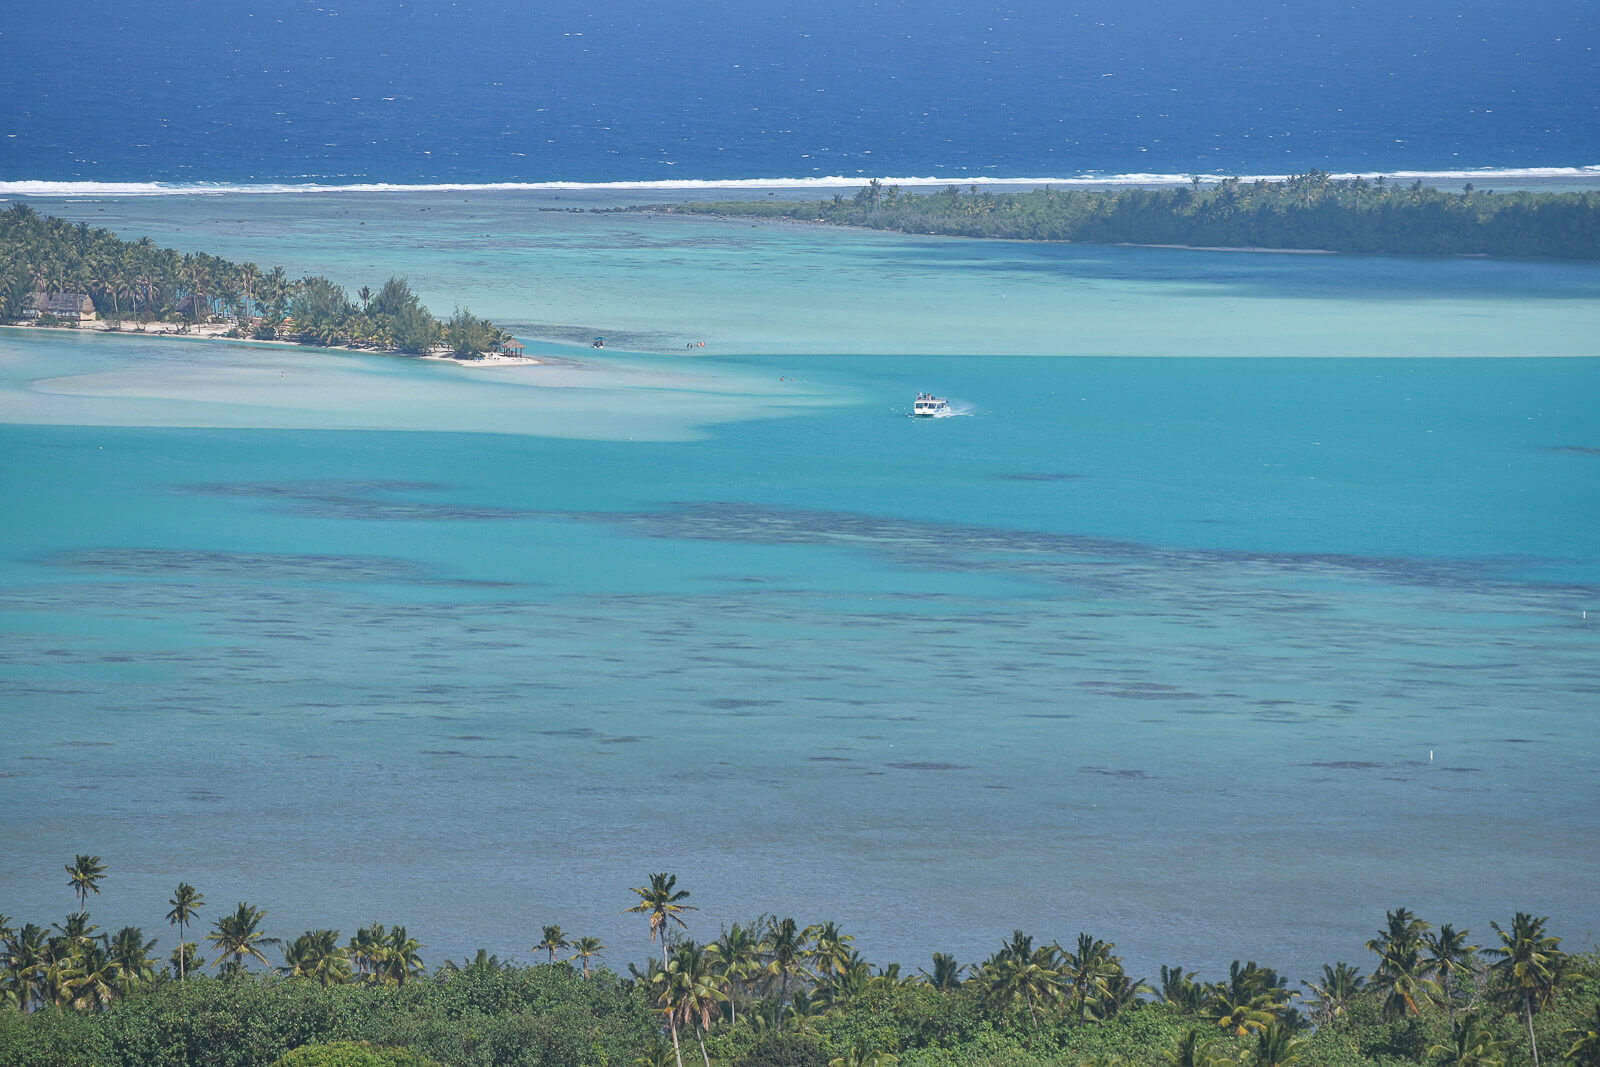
[[633, 90]]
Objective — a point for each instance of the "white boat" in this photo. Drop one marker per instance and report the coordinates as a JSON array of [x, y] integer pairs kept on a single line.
[[930, 406]]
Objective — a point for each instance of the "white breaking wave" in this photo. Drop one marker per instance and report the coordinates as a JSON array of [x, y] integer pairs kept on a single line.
[[42, 188]]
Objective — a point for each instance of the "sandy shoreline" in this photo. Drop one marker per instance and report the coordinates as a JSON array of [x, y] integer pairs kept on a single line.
[[172, 332]]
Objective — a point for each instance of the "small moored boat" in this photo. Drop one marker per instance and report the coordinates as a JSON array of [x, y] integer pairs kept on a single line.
[[930, 406]]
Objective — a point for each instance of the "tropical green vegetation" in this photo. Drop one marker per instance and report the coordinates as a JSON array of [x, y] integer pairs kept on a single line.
[[767, 992], [1307, 211], [137, 282]]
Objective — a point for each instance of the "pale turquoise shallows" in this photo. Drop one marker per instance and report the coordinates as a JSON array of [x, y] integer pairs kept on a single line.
[[1212, 657]]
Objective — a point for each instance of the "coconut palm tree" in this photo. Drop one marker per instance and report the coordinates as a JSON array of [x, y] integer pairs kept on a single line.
[[86, 872], [1340, 984], [737, 959], [864, 1053], [1010, 978], [1252, 999], [238, 937], [784, 946], [1401, 976], [946, 974], [1276, 1046], [1530, 965], [78, 930], [554, 939], [1195, 1049], [317, 955], [368, 948], [186, 902], [130, 953], [1181, 991], [57, 972], [1585, 1038], [662, 902], [401, 960], [1473, 1044], [1448, 956], [25, 952], [1087, 972], [95, 986], [830, 950], [585, 949], [691, 992]]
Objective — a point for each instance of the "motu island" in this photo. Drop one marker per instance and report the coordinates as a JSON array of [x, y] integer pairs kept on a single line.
[[1308, 211], [55, 273]]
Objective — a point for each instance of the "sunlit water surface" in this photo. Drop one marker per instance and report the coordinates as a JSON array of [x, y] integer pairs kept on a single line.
[[1209, 656]]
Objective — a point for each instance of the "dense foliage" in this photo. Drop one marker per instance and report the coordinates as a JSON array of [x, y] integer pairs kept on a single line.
[[352, 1054], [1308, 211], [138, 282], [769, 993]]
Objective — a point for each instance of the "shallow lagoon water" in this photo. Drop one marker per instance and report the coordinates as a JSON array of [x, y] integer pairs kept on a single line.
[[1153, 648]]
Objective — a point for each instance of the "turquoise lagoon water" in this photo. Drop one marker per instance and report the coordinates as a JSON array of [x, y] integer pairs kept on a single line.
[[1211, 656]]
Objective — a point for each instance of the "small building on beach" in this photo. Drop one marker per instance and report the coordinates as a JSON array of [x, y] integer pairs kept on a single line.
[[76, 307]]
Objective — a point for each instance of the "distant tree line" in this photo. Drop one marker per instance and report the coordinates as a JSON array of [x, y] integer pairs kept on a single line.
[[138, 282], [1308, 211], [768, 993]]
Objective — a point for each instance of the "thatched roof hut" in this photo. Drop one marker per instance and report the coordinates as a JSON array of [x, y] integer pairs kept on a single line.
[[74, 306]]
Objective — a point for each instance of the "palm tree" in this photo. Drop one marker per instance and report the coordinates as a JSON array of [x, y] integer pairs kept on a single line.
[[1448, 955], [1585, 1038], [482, 961], [690, 992], [1473, 1045], [1276, 1046], [1250, 1000], [97, 980], [946, 973], [239, 936], [1400, 975], [401, 960], [25, 952], [1087, 972], [1181, 991], [1010, 978], [86, 872], [863, 1053], [830, 950], [56, 973], [1399, 978], [185, 903], [585, 949], [783, 946], [1195, 1049], [1340, 984], [317, 954], [186, 957], [1530, 965], [737, 955], [1120, 992], [661, 902], [368, 948], [78, 930], [553, 939], [130, 952]]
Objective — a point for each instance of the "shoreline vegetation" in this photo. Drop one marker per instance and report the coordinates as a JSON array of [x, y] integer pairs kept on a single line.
[[54, 273], [1306, 212], [768, 993]]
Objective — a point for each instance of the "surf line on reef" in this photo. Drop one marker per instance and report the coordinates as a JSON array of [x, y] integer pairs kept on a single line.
[[51, 188]]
